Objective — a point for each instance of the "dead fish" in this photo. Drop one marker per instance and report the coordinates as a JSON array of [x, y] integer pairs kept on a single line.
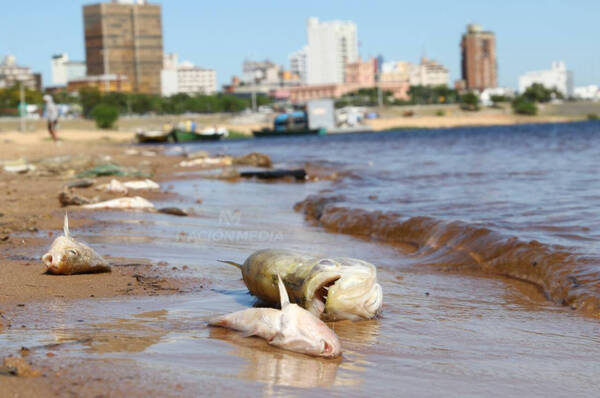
[[291, 328], [136, 202], [142, 185], [114, 186], [68, 256], [330, 288]]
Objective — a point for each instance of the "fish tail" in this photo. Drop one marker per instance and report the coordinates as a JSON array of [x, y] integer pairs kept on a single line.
[[231, 263]]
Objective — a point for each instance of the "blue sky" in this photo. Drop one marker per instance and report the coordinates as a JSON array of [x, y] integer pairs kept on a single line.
[[530, 34]]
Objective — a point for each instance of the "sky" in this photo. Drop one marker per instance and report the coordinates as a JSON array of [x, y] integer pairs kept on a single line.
[[530, 34]]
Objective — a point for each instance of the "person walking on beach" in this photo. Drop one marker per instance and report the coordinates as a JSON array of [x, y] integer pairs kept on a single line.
[[51, 115]]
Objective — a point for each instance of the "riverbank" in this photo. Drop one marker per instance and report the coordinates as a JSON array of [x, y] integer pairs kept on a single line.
[[451, 333]]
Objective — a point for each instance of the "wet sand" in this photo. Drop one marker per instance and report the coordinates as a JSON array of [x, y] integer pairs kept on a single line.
[[441, 333]]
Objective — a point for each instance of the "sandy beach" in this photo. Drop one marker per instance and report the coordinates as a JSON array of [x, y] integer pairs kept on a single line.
[[141, 329]]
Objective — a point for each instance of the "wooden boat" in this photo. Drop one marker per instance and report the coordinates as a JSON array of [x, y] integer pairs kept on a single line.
[[152, 136], [186, 136]]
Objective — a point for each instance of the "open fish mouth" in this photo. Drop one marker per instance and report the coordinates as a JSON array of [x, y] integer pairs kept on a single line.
[[320, 296]]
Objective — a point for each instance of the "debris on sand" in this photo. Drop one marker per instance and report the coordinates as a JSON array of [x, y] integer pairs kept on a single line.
[[207, 162], [253, 159], [19, 367], [135, 203], [85, 183], [298, 174], [174, 211], [67, 198], [146, 184], [110, 169], [19, 166]]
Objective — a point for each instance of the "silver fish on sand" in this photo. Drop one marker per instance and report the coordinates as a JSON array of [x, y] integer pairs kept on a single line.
[[291, 328], [68, 256]]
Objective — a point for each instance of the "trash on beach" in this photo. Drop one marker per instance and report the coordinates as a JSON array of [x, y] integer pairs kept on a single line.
[[115, 186], [298, 174], [67, 198], [207, 162], [253, 159], [110, 169], [330, 288], [19, 166], [134, 203], [68, 256], [291, 328], [85, 183], [174, 211]]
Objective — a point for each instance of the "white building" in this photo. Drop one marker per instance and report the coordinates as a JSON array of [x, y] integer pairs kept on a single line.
[[186, 78], [426, 73], [260, 73], [11, 74], [331, 45], [589, 93], [557, 77], [64, 70], [298, 63]]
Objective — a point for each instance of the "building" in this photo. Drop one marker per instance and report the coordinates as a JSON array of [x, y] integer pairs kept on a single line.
[[298, 63], [478, 54], [260, 73], [557, 77], [588, 93], [331, 45], [426, 73], [125, 38], [194, 80], [64, 70], [362, 73], [186, 78], [11, 74], [102, 83]]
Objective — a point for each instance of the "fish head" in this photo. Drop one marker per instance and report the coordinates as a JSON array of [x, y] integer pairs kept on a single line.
[[301, 331], [344, 288], [64, 256], [67, 255]]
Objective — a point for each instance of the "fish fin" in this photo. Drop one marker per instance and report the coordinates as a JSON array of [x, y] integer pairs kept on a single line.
[[283, 295], [66, 225], [231, 263]]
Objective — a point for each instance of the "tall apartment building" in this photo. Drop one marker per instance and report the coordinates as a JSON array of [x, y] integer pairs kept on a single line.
[[12, 73], [479, 65], [186, 78], [426, 73], [557, 77], [298, 63], [125, 38], [331, 45], [65, 70]]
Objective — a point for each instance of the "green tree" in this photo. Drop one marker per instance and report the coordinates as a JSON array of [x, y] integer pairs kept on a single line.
[[105, 115], [539, 93], [469, 101], [523, 106]]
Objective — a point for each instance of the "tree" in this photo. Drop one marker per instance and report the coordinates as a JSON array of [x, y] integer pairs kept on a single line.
[[470, 101], [105, 115], [539, 93], [523, 106]]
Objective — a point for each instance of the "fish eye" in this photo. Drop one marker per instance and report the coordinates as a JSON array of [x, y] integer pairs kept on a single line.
[[72, 252]]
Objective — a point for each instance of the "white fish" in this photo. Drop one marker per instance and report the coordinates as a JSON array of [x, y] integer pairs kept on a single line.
[[136, 202], [291, 328], [142, 185], [68, 256], [218, 161], [114, 186]]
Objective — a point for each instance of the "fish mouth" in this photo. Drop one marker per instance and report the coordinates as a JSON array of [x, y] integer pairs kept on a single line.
[[352, 298], [320, 296]]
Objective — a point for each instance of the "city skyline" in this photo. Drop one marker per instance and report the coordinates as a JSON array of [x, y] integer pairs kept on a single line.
[[529, 36]]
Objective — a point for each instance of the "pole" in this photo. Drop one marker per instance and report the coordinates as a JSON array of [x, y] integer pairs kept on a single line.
[[106, 82], [254, 99], [22, 105]]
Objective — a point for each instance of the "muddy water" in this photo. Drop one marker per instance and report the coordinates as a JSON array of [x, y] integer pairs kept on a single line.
[[442, 333]]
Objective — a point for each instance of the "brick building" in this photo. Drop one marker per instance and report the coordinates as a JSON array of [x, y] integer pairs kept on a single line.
[[125, 38], [479, 65]]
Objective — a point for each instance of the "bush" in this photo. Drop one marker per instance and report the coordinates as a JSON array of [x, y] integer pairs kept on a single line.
[[440, 112], [105, 115], [469, 102], [592, 116], [523, 106]]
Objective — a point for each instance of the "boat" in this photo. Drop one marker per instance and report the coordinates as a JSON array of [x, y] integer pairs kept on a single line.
[[152, 136], [187, 131], [289, 124]]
